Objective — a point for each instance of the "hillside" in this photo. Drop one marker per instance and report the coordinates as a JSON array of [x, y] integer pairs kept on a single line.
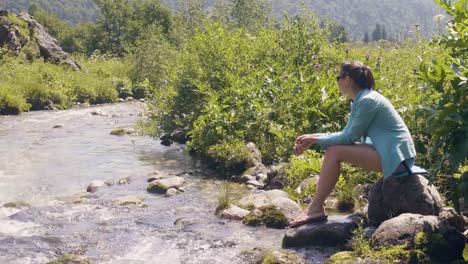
[[70, 11], [357, 16]]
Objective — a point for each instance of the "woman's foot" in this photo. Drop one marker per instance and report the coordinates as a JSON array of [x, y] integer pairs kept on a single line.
[[308, 217]]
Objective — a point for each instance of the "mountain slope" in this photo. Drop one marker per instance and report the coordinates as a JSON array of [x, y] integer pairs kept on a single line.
[[72, 11], [357, 16]]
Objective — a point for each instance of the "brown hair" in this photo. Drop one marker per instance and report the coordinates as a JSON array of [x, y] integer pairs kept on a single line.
[[360, 73]]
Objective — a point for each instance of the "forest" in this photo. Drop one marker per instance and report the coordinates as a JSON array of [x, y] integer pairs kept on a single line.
[[357, 16]]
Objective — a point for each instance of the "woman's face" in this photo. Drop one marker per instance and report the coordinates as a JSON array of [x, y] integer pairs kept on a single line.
[[343, 81]]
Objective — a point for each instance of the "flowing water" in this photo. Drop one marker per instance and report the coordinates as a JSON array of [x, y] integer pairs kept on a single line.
[[45, 171]]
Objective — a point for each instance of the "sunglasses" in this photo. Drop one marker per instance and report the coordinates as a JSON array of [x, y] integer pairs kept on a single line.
[[339, 77]]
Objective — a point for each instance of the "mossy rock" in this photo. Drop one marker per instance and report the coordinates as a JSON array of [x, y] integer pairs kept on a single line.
[[270, 217], [118, 132], [282, 257], [343, 257], [273, 217], [253, 220], [70, 259], [122, 131], [15, 204], [436, 246], [249, 206], [350, 257], [157, 187]]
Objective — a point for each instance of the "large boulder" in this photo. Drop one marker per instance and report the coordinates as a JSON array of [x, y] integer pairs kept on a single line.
[[289, 208], [9, 34], [49, 48], [392, 197], [337, 230], [262, 198], [436, 236]]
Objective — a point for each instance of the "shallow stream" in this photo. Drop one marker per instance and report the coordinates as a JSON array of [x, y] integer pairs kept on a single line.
[[47, 169]]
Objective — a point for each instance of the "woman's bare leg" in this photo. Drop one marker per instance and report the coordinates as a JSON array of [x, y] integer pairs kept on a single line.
[[360, 155]]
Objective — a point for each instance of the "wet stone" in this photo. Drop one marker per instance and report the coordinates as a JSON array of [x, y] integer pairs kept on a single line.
[[171, 192], [94, 185], [246, 178], [161, 186], [234, 213], [98, 112], [122, 131], [333, 232], [129, 200], [124, 181]]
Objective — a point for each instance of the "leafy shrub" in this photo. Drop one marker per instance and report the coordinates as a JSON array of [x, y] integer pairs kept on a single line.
[[123, 88], [11, 104], [446, 115], [303, 167], [229, 157], [142, 90]]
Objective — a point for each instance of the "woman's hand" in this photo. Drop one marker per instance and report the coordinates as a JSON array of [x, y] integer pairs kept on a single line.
[[304, 142]]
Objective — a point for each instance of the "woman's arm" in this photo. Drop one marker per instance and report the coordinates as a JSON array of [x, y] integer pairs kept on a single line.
[[365, 112]]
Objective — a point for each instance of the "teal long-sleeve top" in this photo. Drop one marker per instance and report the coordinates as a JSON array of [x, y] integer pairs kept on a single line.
[[373, 116]]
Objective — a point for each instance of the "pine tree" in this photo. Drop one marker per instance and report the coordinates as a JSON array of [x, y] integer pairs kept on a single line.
[[377, 33], [366, 37]]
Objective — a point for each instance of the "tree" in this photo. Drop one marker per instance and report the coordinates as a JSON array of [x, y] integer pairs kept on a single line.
[[243, 13], [32, 9], [377, 33], [123, 22], [113, 21], [193, 12], [338, 32], [366, 37]]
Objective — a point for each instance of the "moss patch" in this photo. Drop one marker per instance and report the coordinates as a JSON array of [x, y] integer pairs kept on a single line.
[[70, 259], [270, 217], [342, 257], [157, 187], [273, 218], [118, 132], [281, 257]]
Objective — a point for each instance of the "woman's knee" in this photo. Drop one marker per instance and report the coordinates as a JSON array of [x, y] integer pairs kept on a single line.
[[333, 152]]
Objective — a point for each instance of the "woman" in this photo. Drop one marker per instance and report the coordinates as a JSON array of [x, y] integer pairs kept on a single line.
[[372, 115]]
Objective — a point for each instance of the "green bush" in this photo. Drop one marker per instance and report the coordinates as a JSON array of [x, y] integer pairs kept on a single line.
[[11, 104], [229, 157], [123, 88]]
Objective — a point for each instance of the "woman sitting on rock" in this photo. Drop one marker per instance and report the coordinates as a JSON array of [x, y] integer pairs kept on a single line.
[[372, 116]]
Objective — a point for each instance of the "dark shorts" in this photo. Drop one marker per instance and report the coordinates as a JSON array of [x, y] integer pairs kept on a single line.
[[404, 169]]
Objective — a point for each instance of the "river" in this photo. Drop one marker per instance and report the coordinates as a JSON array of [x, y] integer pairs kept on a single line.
[[47, 170]]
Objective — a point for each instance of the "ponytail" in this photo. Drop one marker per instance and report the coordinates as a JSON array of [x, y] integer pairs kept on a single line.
[[360, 73]]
